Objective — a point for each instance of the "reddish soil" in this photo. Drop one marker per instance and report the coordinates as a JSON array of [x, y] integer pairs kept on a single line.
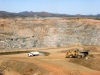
[[54, 64]]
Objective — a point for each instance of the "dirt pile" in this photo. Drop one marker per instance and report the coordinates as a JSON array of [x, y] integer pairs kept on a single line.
[[26, 68], [92, 62], [23, 68]]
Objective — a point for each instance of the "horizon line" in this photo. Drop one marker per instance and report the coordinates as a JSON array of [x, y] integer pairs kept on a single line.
[[48, 12]]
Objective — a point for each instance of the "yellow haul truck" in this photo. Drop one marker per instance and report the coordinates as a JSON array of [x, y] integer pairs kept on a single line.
[[75, 53]]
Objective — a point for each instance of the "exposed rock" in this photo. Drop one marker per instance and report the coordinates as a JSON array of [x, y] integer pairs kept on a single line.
[[48, 33], [25, 33]]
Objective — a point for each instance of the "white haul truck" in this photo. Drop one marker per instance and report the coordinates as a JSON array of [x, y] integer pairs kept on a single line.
[[33, 54]]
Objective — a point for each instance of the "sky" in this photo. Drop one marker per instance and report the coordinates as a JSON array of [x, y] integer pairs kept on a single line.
[[72, 7]]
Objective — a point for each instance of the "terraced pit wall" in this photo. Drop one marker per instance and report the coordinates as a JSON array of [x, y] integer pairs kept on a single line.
[[47, 32]]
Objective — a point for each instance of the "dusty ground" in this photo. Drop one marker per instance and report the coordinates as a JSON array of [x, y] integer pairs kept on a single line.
[[46, 32], [53, 64]]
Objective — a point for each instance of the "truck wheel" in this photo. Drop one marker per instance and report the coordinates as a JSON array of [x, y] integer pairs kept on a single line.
[[28, 55], [79, 56], [70, 56]]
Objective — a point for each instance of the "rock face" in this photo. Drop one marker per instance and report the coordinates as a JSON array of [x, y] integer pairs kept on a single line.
[[73, 33], [48, 33]]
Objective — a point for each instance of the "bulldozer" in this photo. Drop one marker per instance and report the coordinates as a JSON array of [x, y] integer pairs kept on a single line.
[[76, 53]]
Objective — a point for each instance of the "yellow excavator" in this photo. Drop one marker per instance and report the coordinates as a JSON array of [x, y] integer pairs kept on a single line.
[[76, 53]]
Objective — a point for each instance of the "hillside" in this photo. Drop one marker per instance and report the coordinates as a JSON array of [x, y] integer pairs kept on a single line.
[[5, 14], [19, 33]]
